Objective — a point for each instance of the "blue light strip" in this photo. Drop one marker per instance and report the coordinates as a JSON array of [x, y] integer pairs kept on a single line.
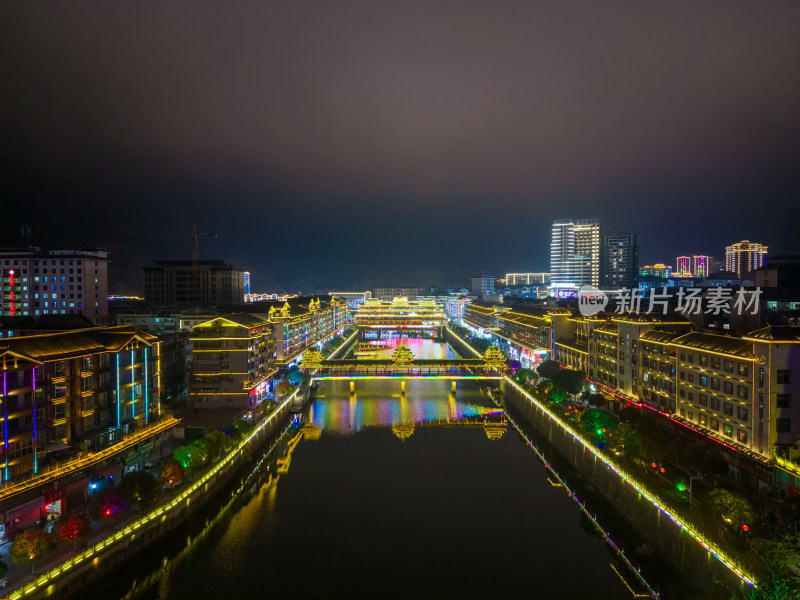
[[133, 388], [146, 395], [118, 398]]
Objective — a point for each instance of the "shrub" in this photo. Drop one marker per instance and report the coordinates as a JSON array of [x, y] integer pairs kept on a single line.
[[731, 506], [171, 473], [75, 526], [30, 545], [284, 388]]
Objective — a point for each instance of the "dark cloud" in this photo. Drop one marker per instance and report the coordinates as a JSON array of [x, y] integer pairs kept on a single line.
[[336, 143]]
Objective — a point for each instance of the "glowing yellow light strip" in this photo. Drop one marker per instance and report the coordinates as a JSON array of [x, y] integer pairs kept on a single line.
[[155, 512], [711, 548]]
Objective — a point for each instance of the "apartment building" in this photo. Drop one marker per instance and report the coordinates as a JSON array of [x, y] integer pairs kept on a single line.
[[736, 390], [63, 282], [235, 357], [88, 386]]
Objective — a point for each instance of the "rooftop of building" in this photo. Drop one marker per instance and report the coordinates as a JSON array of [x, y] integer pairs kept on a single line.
[[711, 342], [658, 336], [68, 344], [776, 333]]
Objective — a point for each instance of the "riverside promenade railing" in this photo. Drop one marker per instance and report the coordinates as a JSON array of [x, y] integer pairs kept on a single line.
[[108, 543], [60, 469], [710, 547]]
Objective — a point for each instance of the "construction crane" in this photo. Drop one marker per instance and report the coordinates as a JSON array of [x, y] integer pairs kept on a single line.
[[195, 271]]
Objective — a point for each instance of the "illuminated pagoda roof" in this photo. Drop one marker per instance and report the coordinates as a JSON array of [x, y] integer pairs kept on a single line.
[[403, 432]]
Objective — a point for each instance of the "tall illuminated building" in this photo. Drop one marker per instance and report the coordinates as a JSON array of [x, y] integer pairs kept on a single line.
[[575, 252], [684, 266], [620, 261], [744, 257], [702, 265]]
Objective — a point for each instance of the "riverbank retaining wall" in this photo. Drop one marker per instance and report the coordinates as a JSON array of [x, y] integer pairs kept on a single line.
[[136, 538], [683, 553]]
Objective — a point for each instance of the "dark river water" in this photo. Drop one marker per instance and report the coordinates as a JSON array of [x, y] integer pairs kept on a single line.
[[383, 495]]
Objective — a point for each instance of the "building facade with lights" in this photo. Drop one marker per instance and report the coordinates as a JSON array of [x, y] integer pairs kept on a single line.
[[744, 257], [527, 279], [575, 252], [619, 257], [55, 282], [376, 317], [657, 270], [89, 386], [734, 390], [232, 357], [236, 357]]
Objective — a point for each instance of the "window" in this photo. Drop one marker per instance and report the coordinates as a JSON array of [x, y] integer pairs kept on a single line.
[[703, 360], [727, 408], [714, 383], [691, 416], [703, 399], [691, 358], [683, 376], [741, 413], [727, 387], [715, 424], [742, 391], [728, 430], [691, 397], [783, 425], [704, 380], [683, 412], [60, 368], [691, 377], [744, 369], [703, 420], [59, 390], [715, 362], [59, 411], [683, 357], [87, 383], [784, 376], [741, 436], [729, 366], [784, 400], [682, 393]]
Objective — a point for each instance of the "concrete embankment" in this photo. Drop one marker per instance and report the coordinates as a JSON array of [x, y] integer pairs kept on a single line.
[[72, 576], [679, 547]]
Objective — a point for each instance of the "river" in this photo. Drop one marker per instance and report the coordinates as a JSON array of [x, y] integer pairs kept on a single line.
[[387, 495]]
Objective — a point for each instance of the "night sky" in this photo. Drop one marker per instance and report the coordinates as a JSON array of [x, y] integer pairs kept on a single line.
[[347, 144]]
